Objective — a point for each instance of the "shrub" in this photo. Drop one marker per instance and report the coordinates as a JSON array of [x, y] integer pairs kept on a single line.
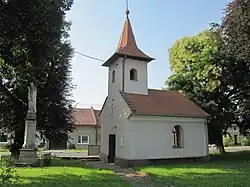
[[71, 146], [8, 174], [6, 146], [2, 149], [245, 142], [228, 141]]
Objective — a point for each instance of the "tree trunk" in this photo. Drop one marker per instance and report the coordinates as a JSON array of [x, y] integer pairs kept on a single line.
[[219, 143], [17, 144]]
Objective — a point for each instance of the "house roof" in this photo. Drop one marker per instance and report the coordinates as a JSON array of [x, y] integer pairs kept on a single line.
[[127, 46], [86, 116], [163, 103]]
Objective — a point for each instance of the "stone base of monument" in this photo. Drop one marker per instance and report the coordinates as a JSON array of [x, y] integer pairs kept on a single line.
[[28, 157]]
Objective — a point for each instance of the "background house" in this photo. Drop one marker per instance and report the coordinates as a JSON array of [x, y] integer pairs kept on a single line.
[[86, 132], [233, 132], [3, 139], [87, 128]]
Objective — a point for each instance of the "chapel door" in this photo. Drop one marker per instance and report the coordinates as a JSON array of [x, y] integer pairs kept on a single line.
[[112, 145]]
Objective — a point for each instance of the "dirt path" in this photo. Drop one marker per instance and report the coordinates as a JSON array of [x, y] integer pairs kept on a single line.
[[138, 179]]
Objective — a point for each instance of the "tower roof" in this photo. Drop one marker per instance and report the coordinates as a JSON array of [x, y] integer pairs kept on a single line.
[[127, 46]]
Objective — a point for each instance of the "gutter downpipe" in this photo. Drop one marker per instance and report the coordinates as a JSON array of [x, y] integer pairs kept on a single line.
[[123, 73], [96, 133]]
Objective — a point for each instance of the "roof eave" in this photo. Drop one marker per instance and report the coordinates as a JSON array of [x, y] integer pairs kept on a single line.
[[165, 115], [84, 125], [103, 106], [116, 55]]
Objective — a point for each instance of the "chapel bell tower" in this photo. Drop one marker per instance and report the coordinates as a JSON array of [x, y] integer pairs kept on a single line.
[[128, 65]]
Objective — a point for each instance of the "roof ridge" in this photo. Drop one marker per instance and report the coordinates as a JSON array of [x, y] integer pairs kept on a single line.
[[154, 89], [85, 108], [82, 109]]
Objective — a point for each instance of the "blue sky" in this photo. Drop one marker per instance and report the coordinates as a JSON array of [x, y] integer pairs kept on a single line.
[[97, 25]]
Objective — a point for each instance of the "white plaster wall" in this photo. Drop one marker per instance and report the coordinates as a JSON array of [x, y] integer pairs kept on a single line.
[[83, 131], [115, 123], [117, 85], [105, 127], [151, 138], [99, 135], [141, 85]]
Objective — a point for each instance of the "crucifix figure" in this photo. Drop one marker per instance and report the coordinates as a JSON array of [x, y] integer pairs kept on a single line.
[[32, 94]]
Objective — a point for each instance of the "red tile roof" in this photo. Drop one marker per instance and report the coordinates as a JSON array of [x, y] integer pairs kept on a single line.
[[127, 46], [161, 102], [86, 116]]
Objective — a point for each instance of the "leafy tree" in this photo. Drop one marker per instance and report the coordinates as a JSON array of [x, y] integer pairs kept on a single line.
[[195, 62], [235, 34], [34, 47]]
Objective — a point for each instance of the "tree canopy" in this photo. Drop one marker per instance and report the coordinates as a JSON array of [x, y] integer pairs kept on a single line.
[[235, 34], [213, 69], [34, 47], [195, 62]]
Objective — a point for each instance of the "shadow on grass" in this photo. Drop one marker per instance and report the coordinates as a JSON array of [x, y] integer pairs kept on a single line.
[[197, 179], [231, 156], [230, 169], [86, 178], [68, 173], [57, 162]]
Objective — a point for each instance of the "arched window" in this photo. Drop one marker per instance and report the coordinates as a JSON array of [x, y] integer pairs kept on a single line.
[[113, 76], [177, 137], [133, 75]]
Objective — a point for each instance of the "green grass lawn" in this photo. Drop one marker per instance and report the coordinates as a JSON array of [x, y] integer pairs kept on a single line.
[[230, 170], [68, 173], [69, 177]]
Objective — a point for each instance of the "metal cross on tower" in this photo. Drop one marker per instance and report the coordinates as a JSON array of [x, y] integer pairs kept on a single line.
[[127, 10]]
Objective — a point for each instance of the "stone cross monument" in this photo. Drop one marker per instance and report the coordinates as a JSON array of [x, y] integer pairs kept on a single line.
[[28, 153]]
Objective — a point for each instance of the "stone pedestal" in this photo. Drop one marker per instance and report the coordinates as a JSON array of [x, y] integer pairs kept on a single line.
[[28, 153], [28, 156], [30, 132]]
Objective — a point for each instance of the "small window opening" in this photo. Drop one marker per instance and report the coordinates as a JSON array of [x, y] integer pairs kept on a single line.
[[113, 76], [133, 74], [177, 137]]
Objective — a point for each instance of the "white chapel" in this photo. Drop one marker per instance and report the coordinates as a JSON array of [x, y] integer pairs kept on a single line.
[[140, 125]]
